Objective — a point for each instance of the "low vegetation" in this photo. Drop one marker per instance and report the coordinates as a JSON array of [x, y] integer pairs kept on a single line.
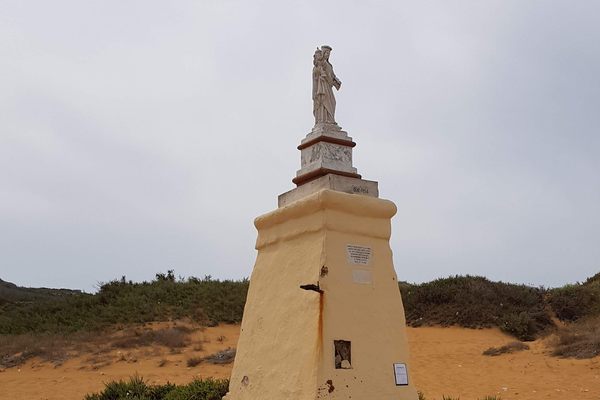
[[206, 301], [57, 348], [476, 302], [579, 340], [573, 302], [193, 361], [172, 338], [222, 357], [511, 347], [15, 350], [524, 312], [136, 388], [468, 301]]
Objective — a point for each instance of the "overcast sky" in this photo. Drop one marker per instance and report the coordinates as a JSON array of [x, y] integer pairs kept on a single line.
[[142, 136]]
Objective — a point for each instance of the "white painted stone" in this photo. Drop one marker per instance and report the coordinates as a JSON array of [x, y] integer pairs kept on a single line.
[[330, 181]]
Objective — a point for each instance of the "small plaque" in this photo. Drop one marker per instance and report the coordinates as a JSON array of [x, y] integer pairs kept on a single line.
[[360, 255], [362, 276], [400, 374]]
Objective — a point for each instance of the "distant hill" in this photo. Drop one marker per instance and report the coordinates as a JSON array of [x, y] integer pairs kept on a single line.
[[11, 293]]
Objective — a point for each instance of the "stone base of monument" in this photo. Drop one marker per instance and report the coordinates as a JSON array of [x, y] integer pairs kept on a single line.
[[330, 181], [324, 317]]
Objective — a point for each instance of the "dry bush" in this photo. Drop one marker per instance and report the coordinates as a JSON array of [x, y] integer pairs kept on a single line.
[[192, 362], [172, 338], [17, 349], [184, 328], [163, 362], [175, 337], [511, 347], [222, 357], [97, 362], [578, 340]]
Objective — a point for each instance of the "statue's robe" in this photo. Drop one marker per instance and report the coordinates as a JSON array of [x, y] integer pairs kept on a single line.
[[323, 98]]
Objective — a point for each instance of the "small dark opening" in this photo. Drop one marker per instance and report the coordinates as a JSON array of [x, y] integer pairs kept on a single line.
[[343, 355]]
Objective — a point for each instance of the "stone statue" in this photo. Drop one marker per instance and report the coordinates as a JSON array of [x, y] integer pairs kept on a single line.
[[323, 82]]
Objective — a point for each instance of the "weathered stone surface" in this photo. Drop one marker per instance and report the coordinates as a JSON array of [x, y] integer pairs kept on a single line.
[[329, 130], [324, 80], [326, 155], [333, 182]]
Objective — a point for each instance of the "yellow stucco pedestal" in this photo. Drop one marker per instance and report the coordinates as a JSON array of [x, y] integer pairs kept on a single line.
[[343, 335]]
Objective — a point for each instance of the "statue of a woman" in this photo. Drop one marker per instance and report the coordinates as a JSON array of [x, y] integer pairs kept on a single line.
[[323, 82]]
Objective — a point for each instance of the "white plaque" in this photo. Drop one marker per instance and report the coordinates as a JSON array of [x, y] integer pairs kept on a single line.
[[362, 276], [400, 374], [360, 255]]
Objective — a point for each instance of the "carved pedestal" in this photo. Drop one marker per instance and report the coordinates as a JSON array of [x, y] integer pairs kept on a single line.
[[326, 163], [325, 150]]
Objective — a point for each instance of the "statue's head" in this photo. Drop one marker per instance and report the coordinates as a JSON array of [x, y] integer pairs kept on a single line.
[[326, 51], [318, 56]]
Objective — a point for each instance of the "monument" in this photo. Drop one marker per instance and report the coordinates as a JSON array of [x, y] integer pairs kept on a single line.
[[324, 317]]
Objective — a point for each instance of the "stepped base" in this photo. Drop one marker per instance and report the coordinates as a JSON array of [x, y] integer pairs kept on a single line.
[[350, 185]]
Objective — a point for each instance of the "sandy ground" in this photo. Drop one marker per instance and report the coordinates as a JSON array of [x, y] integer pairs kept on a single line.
[[444, 361]]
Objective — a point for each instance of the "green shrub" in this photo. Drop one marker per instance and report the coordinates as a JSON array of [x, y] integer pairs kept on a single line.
[[525, 325], [200, 390], [137, 389], [572, 302], [476, 302], [205, 300]]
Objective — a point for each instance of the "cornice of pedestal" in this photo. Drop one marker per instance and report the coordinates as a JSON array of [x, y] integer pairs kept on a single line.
[[320, 211], [317, 173], [326, 138]]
